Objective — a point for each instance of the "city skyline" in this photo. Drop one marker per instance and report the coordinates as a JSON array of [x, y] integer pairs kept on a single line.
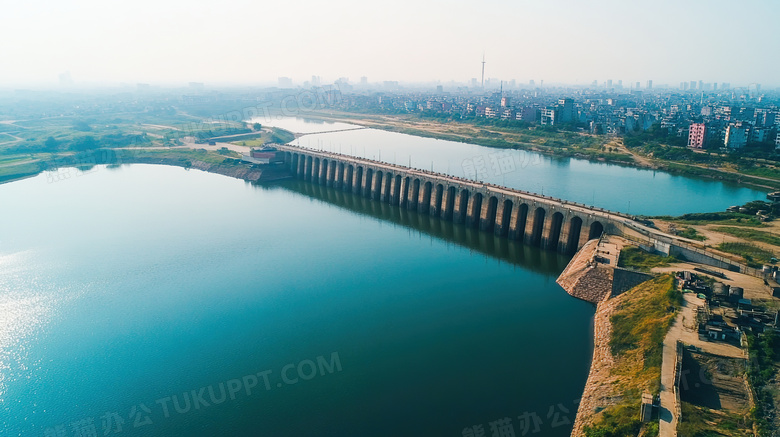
[[562, 42]]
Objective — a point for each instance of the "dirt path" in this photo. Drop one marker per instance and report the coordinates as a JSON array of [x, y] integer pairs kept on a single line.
[[15, 139], [189, 143], [640, 160]]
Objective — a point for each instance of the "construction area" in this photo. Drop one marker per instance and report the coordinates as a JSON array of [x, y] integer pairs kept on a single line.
[[705, 384]]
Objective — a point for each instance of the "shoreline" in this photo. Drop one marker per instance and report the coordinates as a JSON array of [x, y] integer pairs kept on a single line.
[[598, 392], [665, 166], [238, 171]]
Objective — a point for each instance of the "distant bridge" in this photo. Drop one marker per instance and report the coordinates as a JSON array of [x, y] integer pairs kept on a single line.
[[537, 220], [298, 135]]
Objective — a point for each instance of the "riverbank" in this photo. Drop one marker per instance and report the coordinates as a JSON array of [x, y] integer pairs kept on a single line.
[[558, 144], [632, 316], [600, 388], [185, 158]]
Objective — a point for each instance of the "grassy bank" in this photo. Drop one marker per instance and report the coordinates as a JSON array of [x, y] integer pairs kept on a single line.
[[754, 256], [117, 143], [639, 324], [14, 172], [636, 258], [719, 218], [542, 140], [703, 422], [750, 234], [725, 176], [86, 160]]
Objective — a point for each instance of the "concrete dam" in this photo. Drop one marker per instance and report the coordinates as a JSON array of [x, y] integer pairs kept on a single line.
[[541, 221]]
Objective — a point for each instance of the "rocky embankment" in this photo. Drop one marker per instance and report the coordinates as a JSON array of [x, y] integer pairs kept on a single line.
[[599, 389], [587, 279]]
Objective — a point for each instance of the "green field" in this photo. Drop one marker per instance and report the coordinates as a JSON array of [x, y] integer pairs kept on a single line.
[[636, 258], [754, 256]]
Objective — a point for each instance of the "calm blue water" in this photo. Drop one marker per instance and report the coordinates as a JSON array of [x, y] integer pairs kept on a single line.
[[610, 186], [133, 290], [152, 301]]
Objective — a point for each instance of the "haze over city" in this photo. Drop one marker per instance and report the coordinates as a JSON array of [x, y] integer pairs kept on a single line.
[[249, 42], [556, 218]]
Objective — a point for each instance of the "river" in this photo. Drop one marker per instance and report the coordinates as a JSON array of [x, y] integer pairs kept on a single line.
[[126, 289], [151, 301], [614, 187]]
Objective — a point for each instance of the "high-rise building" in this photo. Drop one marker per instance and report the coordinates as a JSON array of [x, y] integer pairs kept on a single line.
[[504, 102], [637, 85], [650, 84], [696, 135], [609, 83], [701, 85], [364, 80], [693, 85], [531, 82], [285, 82], [737, 135], [566, 110], [549, 116], [764, 117]]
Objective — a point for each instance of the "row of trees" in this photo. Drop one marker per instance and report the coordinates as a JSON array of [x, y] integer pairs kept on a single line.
[[79, 144]]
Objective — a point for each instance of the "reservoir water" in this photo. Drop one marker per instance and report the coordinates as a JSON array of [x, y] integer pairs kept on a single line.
[[132, 292], [152, 301]]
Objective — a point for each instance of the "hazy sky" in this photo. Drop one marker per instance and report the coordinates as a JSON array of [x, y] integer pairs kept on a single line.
[[251, 41]]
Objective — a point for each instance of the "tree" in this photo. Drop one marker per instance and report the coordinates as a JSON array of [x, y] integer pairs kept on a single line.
[[51, 144], [257, 126], [82, 125], [85, 143]]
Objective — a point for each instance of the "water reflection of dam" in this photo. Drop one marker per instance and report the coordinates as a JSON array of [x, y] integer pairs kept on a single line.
[[510, 251]]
